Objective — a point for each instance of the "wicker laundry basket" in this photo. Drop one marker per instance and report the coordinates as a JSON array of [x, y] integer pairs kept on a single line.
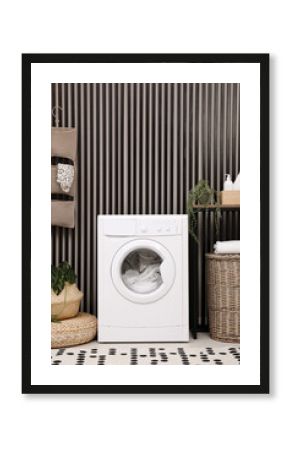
[[223, 296]]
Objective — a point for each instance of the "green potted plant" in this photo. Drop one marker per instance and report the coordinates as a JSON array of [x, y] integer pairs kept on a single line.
[[65, 295], [201, 195]]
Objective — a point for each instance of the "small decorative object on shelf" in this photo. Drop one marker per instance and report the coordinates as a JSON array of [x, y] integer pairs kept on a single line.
[[230, 198], [199, 197], [65, 296], [228, 184], [237, 183]]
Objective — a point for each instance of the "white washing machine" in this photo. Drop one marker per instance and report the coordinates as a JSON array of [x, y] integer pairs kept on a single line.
[[143, 278]]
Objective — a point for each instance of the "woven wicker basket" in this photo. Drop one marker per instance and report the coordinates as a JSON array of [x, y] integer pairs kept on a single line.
[[75, 331], [223, 296]]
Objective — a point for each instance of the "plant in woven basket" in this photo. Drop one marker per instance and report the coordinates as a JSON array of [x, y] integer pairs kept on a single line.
[[201, 195], [60, 275], [65, 296]]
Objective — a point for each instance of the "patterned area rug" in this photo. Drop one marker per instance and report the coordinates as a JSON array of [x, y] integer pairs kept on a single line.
[[190, 353]]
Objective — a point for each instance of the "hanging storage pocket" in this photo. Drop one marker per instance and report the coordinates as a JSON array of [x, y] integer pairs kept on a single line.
[[63, 213], [63, 176]]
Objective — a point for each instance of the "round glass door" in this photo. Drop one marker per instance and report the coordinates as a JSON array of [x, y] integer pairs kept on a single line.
[[140, 271], [143, 271]]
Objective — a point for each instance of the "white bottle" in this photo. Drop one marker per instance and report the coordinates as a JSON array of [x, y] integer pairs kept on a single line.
[[228, 184], [236, 186]]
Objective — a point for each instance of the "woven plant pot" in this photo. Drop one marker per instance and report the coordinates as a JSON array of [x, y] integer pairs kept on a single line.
[[67, 303], [75, 331], [223, 296]]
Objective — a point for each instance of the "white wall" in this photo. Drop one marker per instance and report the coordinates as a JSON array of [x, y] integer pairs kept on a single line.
[[222, 422]]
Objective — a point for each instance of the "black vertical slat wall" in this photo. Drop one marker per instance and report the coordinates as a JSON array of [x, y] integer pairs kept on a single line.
[[141, 148]]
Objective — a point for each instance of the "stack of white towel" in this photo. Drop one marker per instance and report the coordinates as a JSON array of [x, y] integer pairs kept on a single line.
[[227, 247]]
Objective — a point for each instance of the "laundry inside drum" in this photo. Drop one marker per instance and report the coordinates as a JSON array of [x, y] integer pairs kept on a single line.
[[140, 271]]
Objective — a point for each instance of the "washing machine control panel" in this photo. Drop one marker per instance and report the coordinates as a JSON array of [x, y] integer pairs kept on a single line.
[[154, 227], [142, 225]]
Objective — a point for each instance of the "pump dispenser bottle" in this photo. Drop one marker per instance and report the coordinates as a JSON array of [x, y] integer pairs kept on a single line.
[[228, 184]]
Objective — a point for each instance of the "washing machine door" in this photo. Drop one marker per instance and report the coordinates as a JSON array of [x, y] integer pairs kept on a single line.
[[143, 271]]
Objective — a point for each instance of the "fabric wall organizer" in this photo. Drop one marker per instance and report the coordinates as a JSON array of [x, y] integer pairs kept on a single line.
[[63, 176]]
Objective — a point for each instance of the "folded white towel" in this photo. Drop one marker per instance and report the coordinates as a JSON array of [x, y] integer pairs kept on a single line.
[[227, 247]]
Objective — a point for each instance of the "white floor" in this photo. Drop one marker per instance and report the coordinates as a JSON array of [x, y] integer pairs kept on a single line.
[[202, 350]]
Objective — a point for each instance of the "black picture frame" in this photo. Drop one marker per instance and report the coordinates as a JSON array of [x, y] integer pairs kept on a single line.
[[263, 61]]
